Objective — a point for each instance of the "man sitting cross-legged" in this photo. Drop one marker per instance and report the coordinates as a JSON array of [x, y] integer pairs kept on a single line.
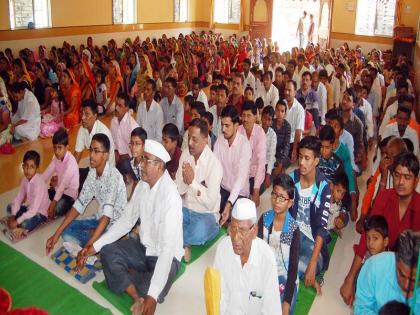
[[106, 185], [198, 179], [145, 269]]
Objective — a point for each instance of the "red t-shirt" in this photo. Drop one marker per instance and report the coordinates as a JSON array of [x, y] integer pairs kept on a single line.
[[386, 204]]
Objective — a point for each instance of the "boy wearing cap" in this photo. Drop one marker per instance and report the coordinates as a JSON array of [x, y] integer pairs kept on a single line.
[[247, 266], [145, 268]]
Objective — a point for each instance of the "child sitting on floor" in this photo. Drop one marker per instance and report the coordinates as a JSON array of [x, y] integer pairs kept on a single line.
[[100, 92], [377, 239], [52, 118], [23, 218], [137, 142], [278, 228], [65, 176], [339, 216], [208, 118]]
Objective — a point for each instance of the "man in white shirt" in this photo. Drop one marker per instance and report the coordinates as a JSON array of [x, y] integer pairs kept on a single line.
[[268, 91], [150, 114], [247, 267], [321, 92], [145, 268], [366, 109], [198, 93], [300, 69], [335, 83], [401, 129], [274, 65], [391, 110], [198, 179], [216, 110], [91, 126], [173, 110], [248, 76], [295, 116], [26, 122]]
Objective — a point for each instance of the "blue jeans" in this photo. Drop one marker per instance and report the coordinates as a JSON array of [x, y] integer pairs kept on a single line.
[[80, 231], [305, 254], [282, 286], [198, 228], [63, 205], [301, 40], [28, 224]]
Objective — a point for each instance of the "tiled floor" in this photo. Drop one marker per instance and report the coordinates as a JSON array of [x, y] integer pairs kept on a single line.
[[187, 294]]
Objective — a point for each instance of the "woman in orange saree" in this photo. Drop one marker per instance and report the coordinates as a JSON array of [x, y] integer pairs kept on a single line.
[[87, 81], [73, 98], [115, 82]]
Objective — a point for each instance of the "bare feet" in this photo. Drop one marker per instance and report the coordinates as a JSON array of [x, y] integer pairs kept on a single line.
[[19, 233], [318, 288], [187, 255], [137, 307]]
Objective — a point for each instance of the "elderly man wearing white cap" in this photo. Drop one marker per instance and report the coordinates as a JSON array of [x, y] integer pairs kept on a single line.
[[247, 267], [145, 269]]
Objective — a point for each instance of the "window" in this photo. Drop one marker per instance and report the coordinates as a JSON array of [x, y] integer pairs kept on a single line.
[[227, 11], [375, 17], [181, 10], [23, 12], [124, 11]]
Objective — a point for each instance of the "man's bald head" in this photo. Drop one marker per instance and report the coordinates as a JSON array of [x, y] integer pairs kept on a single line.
[[395, 146]]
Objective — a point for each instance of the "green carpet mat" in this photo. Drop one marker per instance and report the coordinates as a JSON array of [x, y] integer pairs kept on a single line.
[[23, 278], [199, 250], [306, 296], [123, 302]]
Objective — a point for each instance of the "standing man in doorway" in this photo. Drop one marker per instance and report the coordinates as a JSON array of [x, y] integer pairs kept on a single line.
[[301, 30]]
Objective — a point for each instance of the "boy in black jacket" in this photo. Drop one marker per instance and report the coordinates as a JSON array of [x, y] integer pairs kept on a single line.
[[311, 211]]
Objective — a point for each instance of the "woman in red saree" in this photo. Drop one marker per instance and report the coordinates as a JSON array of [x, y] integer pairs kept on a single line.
[[115, 82], [72, 96]]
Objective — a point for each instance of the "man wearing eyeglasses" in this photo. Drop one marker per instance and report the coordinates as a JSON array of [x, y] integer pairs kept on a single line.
[[105, 184], [144, 268], [247, 266], [399, 206]]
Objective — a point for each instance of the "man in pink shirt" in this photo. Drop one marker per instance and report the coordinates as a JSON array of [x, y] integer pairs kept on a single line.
[[65, 176], [234, 152], [33, 191], [122, 124], [256, 137]]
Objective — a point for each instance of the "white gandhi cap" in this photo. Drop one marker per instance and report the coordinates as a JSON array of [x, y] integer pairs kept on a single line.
[[244, 209], [330, 69], [157, 149]]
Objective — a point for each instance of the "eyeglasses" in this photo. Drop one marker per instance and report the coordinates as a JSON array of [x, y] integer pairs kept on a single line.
[[278, 198], [144, 159], [96, 151], [241, 231]]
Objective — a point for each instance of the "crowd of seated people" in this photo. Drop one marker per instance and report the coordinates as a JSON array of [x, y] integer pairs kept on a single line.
[[201, 126]]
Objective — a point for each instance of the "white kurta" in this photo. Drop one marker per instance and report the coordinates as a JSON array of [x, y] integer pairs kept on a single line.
[[160, 213], [28, 109], [252, 289]]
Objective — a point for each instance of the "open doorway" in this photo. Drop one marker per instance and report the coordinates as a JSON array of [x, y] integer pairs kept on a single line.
[[286, 18]]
